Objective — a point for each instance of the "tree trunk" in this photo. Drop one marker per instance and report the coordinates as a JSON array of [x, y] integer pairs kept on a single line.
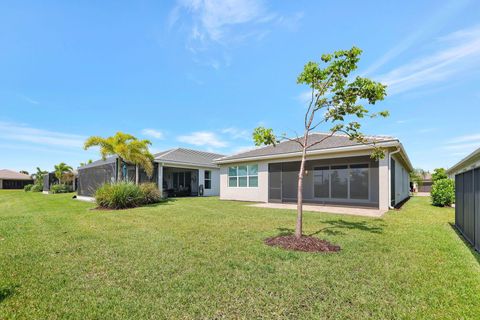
[[299, 225], [120, 169]]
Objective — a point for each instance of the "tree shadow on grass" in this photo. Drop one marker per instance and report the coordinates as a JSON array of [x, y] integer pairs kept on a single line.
[[475, 254], [6, 292], [334, 227]]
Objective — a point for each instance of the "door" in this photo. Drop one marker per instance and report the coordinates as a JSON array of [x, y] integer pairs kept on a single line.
[[275, 182]]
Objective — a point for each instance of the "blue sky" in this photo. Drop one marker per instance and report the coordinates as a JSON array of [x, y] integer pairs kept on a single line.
[[203, 74]]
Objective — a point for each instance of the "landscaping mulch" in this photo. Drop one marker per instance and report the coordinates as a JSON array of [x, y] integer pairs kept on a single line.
[[305, 244]]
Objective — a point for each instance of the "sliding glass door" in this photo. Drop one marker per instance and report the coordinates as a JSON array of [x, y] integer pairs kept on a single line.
[[342, 182]]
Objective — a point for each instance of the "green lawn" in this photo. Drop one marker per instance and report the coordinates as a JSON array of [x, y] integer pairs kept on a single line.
[[205, 258]]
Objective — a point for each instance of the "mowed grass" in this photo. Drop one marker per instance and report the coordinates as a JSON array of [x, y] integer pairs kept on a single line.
[[205, 258]]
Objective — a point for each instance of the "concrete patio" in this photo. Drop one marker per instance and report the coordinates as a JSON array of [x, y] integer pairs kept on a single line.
[[365, 212]]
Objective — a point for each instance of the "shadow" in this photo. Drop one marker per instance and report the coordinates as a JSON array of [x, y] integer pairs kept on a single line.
[[161, 203], [334, 227], [6, 292], [471, 247]]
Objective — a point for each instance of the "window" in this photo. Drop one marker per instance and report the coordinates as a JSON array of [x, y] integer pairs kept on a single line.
[[321, 178], [359, 181], [208, 179], [243, 176], [339, 176]]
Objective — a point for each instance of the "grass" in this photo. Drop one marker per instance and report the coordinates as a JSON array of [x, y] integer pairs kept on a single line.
[[204, 258]]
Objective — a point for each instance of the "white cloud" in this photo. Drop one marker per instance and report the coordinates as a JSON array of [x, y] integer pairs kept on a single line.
[[203, 138], [466, 138], [28, 99], [215, 25], [236, 133], [459, 52], [153, 133], [24, 133], [434, 21]]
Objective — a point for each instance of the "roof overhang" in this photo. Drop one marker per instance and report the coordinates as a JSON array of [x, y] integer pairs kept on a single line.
[[467, 163], [186, 165], [387, 144]]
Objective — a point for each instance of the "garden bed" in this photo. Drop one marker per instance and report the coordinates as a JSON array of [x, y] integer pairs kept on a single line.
[[305, 244]]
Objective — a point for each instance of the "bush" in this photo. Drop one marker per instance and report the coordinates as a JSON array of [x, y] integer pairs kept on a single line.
[[28, 187], [37, 188], [150, 193], [60, 188], [443, 192], [119, 195]]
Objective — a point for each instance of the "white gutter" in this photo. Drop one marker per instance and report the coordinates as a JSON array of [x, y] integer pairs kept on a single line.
[[390, 177]]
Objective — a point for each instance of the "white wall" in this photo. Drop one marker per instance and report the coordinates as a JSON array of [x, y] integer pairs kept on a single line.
[[258, 194], [215, 190]]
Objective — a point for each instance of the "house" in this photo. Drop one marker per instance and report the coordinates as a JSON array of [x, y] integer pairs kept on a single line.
[[426, 183], [13, 180], [467, 197], [177, 172], [339, 171]]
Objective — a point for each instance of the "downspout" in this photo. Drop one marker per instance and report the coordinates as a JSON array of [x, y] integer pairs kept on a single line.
[[390, 177]]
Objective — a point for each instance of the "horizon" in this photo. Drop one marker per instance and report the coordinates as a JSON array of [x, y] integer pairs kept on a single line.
[[202, 77]]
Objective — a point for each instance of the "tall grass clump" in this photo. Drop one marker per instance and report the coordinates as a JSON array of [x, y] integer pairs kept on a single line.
[[119, 195]]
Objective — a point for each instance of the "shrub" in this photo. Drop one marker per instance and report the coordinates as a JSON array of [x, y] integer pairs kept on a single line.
[[37, 188], [61, 188], [119, 195], [443, 192], [28, 187], [150, 193]]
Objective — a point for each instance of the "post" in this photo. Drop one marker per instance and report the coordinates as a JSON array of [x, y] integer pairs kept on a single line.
[[136, 175], [160, 179]]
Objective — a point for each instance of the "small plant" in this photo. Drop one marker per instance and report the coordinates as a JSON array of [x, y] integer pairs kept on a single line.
[[443, 192], [37, 188], [119, 195], [61, 188], [28, 187], [150, 192]]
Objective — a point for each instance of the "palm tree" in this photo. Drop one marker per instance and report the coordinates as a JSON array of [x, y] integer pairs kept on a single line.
[[127, 148], [60, 169], [38, 176]]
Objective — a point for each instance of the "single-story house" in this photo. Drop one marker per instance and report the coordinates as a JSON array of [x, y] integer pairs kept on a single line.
[[339, 171], [426, 184], [13, 180], [177, 172], [51, 179], [467, 197]]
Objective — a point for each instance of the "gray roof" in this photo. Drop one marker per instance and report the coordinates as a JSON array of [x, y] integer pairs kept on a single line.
[[99, 163], [187, 157], [288, 146], [6, 174]]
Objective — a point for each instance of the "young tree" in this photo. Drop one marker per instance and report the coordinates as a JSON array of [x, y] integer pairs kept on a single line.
[[336, 102], [60, 170], [127, 148], [439, 174], [38, 176]]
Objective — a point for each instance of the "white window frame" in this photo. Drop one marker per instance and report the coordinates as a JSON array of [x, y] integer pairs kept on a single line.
[[205, 179], [246, 176]]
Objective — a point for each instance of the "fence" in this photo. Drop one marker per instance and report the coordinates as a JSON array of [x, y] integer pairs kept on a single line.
[[467, 205]]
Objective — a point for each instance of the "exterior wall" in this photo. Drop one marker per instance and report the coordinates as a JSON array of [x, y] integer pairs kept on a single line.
[[402, 181], [1, 184], [258, 194], [215, 189], [379, 194]]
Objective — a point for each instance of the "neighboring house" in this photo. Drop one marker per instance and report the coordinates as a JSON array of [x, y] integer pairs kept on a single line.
[[426, 184], [13, 180], [467, 197], [338, 172], [177, 172], [50, 179]]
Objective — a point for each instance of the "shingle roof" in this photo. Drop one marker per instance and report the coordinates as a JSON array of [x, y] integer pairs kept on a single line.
[[287, 147], [6, 174], [188, 157]]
